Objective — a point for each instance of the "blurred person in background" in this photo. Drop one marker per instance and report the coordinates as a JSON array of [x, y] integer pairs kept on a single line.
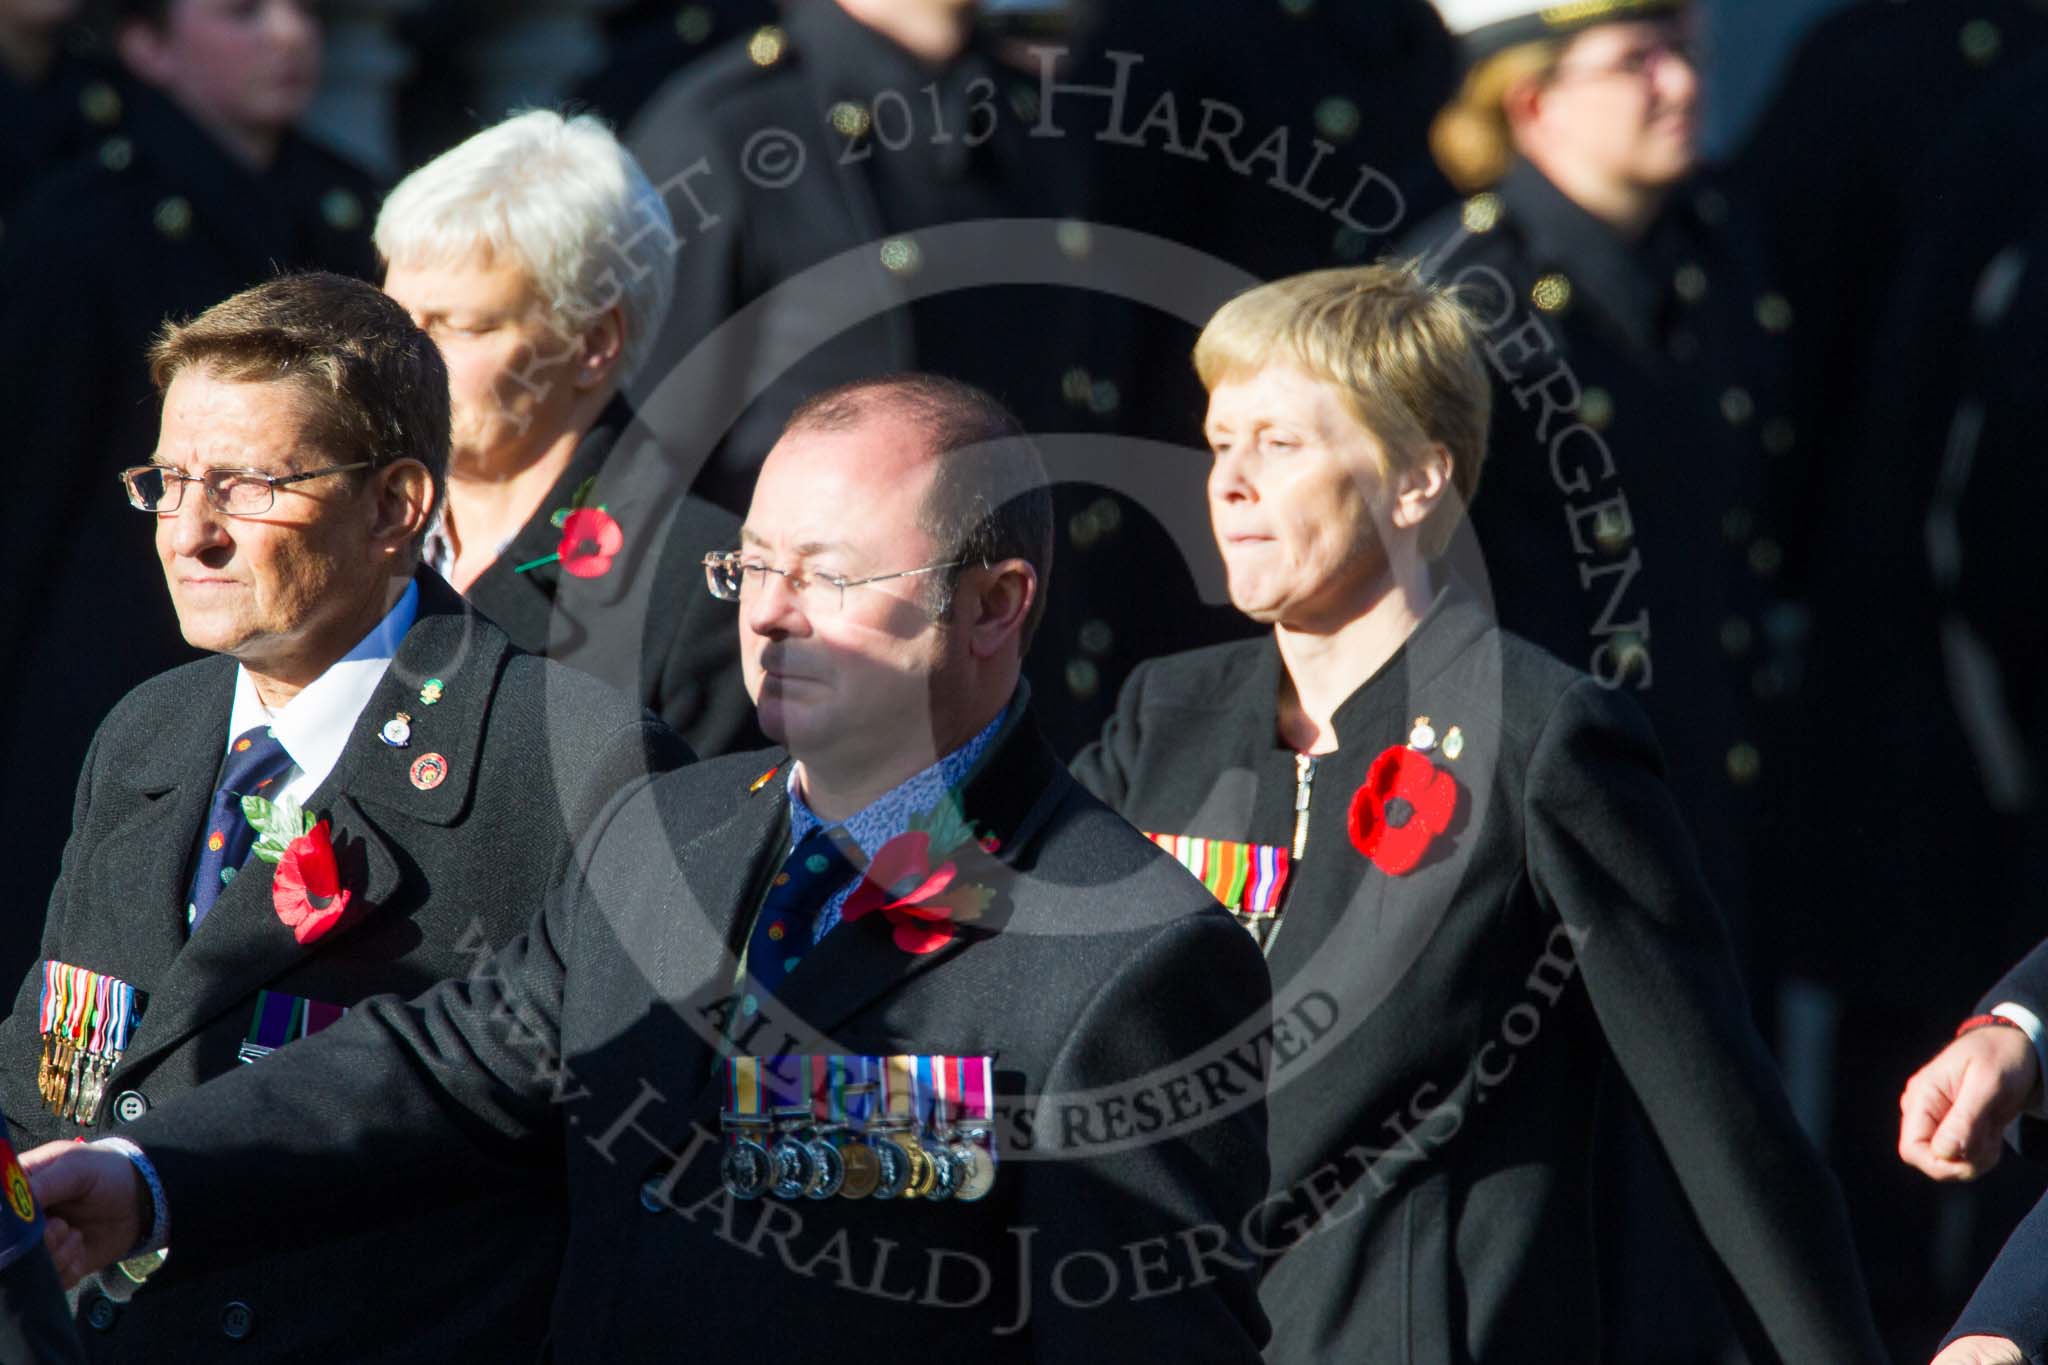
[[1317, 154], [1899, 173], [1626, 522], [205, 190], [649, 41], [903, 118], [53, 100], [503, 250]]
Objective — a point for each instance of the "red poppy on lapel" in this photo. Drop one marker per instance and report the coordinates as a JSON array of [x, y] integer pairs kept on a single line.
[[590, 537], [925, 904], [307, 890], [1429, 794]]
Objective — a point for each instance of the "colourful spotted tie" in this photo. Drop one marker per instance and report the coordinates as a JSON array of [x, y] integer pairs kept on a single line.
[[255, 760], [814, 870]]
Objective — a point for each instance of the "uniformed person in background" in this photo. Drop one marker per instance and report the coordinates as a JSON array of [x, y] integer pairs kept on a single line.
[[1901, 161], [1317, 118], [52, 96], [1634, 413], [499, 248], [1625, 520], [203, 190], [864, 127], [651, 40]]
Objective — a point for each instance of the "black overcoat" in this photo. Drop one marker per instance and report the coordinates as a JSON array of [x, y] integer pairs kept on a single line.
[[440, 877], [1095, 979], [1434, 1102]]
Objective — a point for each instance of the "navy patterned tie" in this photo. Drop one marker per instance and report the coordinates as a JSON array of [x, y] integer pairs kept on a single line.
[[814, 870], [255, 760]]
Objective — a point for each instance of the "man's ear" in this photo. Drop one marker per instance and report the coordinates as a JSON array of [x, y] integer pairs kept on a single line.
[[604, 347], [142, 49], [1420, 488], [402, 502], [992, 604]]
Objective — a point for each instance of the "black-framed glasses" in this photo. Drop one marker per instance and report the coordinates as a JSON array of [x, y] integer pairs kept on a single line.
[[237, 492], [731, 574]]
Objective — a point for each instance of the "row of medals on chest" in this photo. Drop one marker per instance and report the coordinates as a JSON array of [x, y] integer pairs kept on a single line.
[[794, 1154]]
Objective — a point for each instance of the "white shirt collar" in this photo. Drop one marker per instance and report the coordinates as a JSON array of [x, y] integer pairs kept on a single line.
[[314, 725]]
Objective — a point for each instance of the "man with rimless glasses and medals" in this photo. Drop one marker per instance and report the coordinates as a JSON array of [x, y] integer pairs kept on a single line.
[[361, 793], [905, 933]]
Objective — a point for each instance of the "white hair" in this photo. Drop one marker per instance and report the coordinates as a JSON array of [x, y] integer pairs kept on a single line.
[[560, 197]]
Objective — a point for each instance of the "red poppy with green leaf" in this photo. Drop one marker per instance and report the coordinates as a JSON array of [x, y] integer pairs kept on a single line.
[[306, 890]]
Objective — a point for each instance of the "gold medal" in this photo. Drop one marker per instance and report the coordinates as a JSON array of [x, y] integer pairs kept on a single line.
[[923, 1177], [863, 1170]]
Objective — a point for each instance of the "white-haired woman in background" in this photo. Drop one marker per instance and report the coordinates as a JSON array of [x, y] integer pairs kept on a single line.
[[505, 249]]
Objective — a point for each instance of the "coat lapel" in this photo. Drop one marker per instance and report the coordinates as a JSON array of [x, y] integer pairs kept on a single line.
[[242, 944], [172, 785]]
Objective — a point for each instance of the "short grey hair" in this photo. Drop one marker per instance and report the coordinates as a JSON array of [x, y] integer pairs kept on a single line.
[[559, 196]]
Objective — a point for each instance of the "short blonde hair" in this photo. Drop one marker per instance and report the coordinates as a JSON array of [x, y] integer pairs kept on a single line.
[[1470, 136], [559, 197], [1403, 352]]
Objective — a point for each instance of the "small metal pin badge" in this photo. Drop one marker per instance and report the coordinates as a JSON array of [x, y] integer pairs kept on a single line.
[[1422, 737], [428, 770], [430, 691], [1454, 743], [397, 731]]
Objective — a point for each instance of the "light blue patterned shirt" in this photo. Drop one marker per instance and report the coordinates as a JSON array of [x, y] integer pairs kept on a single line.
[[888, 815]]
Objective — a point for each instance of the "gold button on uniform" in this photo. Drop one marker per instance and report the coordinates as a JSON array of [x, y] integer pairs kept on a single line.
[[1481, 212], [1596, 407], [342, 210], [1980, 41], [1744, 763], [1774, 312], [100, 103], [173, 217], [1551, 293], [850, 119], [767, 45], [900, 255], [1337, 118], [693, 24]]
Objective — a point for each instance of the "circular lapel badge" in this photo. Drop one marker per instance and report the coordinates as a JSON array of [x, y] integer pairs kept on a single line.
[[428, 770]]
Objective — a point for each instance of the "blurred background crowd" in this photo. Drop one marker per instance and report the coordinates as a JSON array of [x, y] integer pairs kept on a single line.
[[1820, 584]]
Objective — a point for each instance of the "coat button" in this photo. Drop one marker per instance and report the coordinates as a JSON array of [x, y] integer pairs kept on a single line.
[[1744, 763], [236, 1321], [130, 1105], [102, 1314]]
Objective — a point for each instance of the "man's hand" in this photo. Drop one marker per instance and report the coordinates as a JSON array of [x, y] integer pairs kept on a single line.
[[91, 1200], [1956, 1108], [1981, 1350]]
